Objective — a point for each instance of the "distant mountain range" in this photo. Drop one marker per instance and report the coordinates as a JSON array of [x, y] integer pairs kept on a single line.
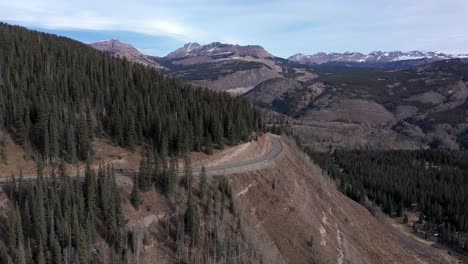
[[221, 67], [373, 57], [194, 53]]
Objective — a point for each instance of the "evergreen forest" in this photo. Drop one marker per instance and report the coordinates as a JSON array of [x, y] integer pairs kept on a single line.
[[57, 94], [432, 182]]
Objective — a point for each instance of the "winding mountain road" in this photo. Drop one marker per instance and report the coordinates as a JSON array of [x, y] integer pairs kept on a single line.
[[237, 167], [249, 164]]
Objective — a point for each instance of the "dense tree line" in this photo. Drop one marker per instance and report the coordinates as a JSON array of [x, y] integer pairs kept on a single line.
[[58, 219], [56, 94], [434, 182]]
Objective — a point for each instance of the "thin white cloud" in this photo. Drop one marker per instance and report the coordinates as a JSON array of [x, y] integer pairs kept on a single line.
[[112, 18], [283, 27], [88, 21]]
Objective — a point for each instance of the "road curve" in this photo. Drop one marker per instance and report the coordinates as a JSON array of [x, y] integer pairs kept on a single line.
[[237, 167], [249, 164]]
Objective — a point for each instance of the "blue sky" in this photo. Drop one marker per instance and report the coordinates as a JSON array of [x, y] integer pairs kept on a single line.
[[157, 27]]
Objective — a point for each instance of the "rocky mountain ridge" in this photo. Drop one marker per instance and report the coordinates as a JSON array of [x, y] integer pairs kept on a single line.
[[120, 49], [373, 57], [218, 49]]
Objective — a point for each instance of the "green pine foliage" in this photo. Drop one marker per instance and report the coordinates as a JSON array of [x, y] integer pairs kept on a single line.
[[58, 219], [3, 252], [56, 94], [145, 176], [135, 198], [202, 183], [434, 182], [188, 177], [190, 221]]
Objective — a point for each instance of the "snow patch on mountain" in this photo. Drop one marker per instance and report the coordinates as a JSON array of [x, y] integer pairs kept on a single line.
[[373, 57]]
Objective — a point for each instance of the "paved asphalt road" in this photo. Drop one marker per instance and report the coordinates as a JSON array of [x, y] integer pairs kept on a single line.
[[221, 170]]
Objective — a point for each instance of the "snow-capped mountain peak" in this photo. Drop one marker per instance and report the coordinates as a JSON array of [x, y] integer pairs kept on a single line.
[[373, 57], [218, 49]]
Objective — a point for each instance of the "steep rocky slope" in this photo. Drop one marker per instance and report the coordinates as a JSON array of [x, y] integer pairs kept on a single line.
[[296, 215], [225, 67]]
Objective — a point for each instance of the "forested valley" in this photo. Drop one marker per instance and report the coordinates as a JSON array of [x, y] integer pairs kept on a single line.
[[431, 182]]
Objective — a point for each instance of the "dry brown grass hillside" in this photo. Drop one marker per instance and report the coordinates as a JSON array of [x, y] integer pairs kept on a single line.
[[297, 215]]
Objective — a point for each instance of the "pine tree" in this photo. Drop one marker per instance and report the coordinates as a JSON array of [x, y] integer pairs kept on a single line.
[[188, 178], [70, 145], [208, 145], [82, 246], [202, 182], [191, 221], [172, 176], [40, 255], [405, 218], [12, 233], [29, 253], [222, 205], [144, 177], [57, 251], [90, 189], [135, 198], [21, 253], [180, 239], [195, 228], [157, 173], [3, 252], [84, 150]]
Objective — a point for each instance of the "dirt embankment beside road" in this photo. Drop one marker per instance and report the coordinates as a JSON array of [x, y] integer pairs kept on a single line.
[[121, 159], [244, 152]]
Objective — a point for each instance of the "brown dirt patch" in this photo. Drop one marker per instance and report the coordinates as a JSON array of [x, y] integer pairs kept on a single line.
[[17, 160], [322, 135], [105, 153], [430, 97], [120, 158], [247, 151], [353, 110]]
